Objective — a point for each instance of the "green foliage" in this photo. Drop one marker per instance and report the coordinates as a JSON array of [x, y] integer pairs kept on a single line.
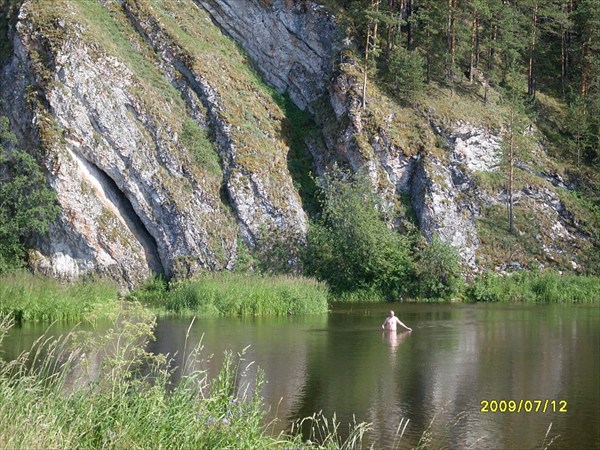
[[4, 40], [35, 298], [406, 74], [27, 205], [276, 252], [196, 141], [582, 127], [351, 246], [438, 271], [298, 127], [230, 294], [535, 287], [151, 293]]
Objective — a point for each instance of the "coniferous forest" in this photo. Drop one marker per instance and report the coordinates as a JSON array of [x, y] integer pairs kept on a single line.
[[523, 47]]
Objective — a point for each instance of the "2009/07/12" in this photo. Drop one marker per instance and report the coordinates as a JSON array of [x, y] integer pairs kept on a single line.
[[528, 406]]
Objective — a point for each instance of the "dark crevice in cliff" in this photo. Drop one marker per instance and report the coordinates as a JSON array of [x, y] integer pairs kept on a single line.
[[127, 212]]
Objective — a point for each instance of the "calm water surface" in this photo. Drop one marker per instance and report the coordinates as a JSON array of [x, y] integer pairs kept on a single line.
[[437, 376]]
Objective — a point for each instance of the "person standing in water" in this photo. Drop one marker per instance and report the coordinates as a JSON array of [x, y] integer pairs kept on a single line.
[[390, 322]]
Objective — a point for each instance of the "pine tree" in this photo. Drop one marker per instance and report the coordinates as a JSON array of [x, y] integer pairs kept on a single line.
[[430, 23], [371, 44], [579, 127], [513, 141], [406, 74]]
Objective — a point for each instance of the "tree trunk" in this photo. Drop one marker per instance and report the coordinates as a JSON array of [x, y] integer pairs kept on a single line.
[[473, 49], [451, 40], [586, 66], [410, 25], [565, 40], [532, 48], [371, 42], [511, 173], [366, 69], [390, 31], [477, 43], [492, 54]]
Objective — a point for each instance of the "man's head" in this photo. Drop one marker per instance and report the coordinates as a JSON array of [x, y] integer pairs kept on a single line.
[[391, 313]]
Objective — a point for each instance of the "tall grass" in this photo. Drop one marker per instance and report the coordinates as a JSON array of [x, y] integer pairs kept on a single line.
[[93, 392], [247, 294], [37, 298], [536, 287]]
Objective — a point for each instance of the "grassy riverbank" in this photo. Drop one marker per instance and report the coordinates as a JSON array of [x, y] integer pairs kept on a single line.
[[231, 294], [29, 297], [518, 287], [87, 392], [36, 298], [535, 287]]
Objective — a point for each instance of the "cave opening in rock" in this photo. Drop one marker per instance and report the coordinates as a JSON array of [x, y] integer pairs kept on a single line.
[[126, 211]]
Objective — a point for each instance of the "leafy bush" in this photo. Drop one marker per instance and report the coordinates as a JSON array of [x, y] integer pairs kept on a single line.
[[351, 247], [438, 271], [27, 205]]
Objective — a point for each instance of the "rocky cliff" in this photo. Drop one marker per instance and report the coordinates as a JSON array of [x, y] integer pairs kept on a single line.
[[163, 147], [434, 158], [167, 151]]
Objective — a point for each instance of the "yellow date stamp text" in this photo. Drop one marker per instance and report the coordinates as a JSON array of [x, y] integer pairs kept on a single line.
[[523, 406]]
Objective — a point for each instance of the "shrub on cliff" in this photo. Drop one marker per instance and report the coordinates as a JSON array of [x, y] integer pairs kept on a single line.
[[437, 270], [350, 246], [27, 205]]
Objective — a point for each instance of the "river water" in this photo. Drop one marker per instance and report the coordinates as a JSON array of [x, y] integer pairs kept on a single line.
[[545, 359]]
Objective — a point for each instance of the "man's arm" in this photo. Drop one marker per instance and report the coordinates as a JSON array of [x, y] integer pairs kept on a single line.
[[400, 322]]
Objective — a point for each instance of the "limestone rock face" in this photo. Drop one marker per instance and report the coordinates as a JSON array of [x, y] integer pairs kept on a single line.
[[475, 148], [443, 191], [262, 196], [131, 204], [111, 137], [436, 189], [291, 43]]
